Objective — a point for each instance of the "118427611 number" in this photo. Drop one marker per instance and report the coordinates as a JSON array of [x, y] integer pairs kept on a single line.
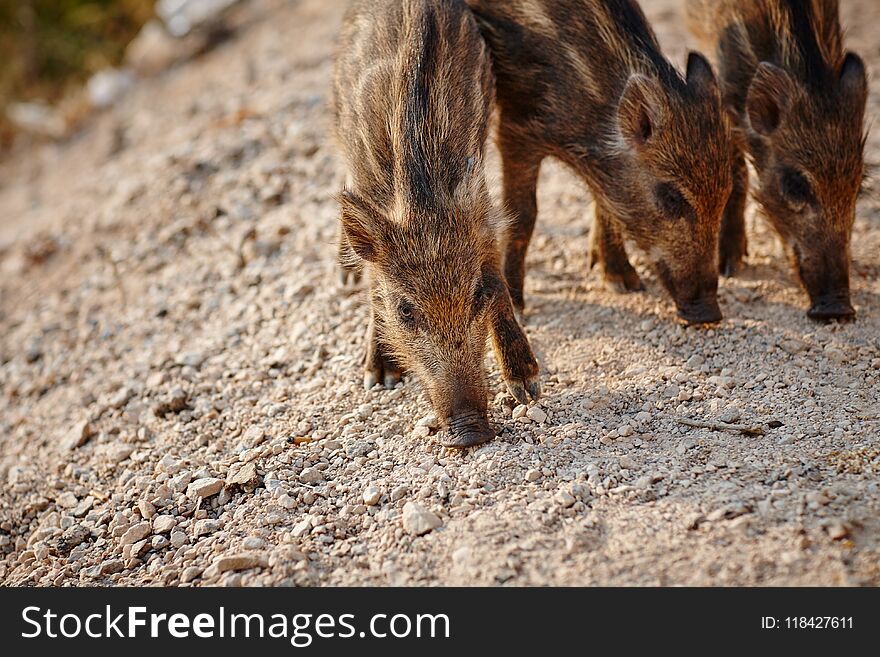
[[818, 622]]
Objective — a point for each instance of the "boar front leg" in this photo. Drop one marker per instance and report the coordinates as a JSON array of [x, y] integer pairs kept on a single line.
[[379, 367], [607, 250], [733, 246], [518, 364], [521, 165]]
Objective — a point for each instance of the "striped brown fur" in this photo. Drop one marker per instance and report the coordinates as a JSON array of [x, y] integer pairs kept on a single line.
[[799, 99], [413, 93], [585, 81]]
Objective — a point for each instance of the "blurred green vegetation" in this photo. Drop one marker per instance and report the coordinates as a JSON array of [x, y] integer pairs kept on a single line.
[[49, 46]]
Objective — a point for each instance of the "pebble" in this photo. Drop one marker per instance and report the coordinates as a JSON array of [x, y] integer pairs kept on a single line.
[[730, 416], [164, 524], [78, 435], [147, 509], [178, 539], [112, 566], [520, 411], [399, 492], [695, 361], [240, 561], [204, 488], [253, 543], [135, 533], [624, 430], [565, 498], [372, 495], [205, 527], [627, 463], [246, 475], [190, 573], [537, 414], [285, 501], [417, 520], [431, 421], [311, 476], [533, 475]]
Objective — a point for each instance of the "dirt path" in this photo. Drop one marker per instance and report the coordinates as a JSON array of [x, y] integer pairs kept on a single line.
[[169, 315]]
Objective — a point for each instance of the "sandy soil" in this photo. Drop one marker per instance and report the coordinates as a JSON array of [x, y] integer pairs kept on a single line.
[[180, 396]]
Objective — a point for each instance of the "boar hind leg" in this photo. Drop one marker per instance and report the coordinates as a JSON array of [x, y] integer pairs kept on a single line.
[[521, 167], [379, 367], [518, 364], [732, 246], [607, 250]]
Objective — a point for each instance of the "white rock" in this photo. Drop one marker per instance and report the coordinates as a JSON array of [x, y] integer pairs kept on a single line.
[[417, 520], [311, 476], [164, 524], [565, 498], [520, 411], [431, 421], [135, 533], [624, 430], [204, 488], [533, 475], [372, 495], [399, 492], [536, 414]]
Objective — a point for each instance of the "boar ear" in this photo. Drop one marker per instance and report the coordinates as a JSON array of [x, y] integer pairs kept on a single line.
[[768, 98], [699, 74], [361, 226], [854, 77], [641, 110]]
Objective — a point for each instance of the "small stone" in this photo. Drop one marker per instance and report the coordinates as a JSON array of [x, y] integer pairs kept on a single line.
[[204, 488], [372, 495], [204, 527], [179, 483], [627, 463], [112, 566], [837, 530], [136, 533], [147, 509], [431, 421], [78, 435], [565, 498], [399, 492], [302, 528], [159, 542], [730, 416], [624, 430], [254, 436], [178, 539], [67, 500], [417, 520], [311, 476], [190, 574], [253, 543], [537, 414], [533, 475], [695, 361], [287, 502], [240, 561], [246, 475], [520, 411], [164, 524]]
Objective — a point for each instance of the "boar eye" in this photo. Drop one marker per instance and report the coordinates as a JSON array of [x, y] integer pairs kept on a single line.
[[670, 201], [407, 314], [796, 188]]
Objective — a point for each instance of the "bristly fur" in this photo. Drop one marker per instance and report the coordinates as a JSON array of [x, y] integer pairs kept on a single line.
[[585, 81], [799, 99], [413, 95]]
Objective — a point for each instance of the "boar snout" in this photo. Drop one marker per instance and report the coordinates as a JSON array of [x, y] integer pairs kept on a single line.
[[466, 421], [826, 278], [700, 311]]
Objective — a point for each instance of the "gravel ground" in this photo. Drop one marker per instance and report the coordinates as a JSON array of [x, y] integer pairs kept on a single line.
[[180, 396]]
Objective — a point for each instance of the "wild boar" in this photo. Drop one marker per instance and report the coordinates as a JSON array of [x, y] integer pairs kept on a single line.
[[584, 81], [799, 100], [413, 95]]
